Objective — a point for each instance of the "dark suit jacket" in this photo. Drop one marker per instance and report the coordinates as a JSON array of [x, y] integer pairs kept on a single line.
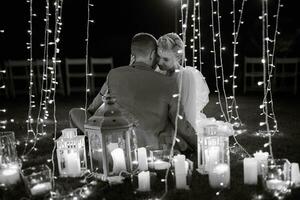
[[148, 95]]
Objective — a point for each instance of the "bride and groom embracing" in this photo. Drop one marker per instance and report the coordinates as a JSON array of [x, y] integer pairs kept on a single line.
[[148, 88]]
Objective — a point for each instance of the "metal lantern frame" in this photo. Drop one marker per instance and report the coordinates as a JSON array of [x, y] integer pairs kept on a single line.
[[71, 143], [213, 148], [111, 128]]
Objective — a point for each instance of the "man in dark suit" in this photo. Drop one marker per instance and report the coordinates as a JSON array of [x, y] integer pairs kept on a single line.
[[148, 95]]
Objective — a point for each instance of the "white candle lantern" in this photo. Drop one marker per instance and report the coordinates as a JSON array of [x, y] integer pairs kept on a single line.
[[37, 180], [112, 141], [9, 162], [71, 154], [213, 148], [277, 177]]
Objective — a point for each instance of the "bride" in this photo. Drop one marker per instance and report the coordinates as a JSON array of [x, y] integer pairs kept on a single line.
[[194, 92]]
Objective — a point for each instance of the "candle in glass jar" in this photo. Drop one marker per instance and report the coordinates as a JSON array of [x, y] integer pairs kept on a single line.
[[212, 157], [262, 160], [73, 164], [250, 171], [118, 158], [9, 174], [40, 188], [161, 165], [144, 181], [276, 184], [219, 176]]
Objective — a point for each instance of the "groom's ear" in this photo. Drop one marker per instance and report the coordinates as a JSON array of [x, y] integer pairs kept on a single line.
[[153, 55]]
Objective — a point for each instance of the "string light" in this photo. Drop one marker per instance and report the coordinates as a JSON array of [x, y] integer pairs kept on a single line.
[[87, 72], [236, 29], [29, 120], [214, 35], [268, 65], [184, 17]]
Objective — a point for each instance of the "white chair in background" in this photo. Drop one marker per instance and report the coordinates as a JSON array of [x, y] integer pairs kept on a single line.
[[75, 75], [18, 75], [59, 78], [99, 69], [286, 74]]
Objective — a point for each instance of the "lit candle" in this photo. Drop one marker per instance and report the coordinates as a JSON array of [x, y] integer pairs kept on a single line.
[[118, 158], [142, 159], [211, 157], [73, 164], [295, 175], [9, 174], [276, 184], [180, 172], [144, 181], [40, 188], [250, 171], [219, 176], [161, 165], [262, 160]]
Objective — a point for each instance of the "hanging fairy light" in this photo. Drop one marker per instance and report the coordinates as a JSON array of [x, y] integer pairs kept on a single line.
[[184, 20], [233, 110], [31, 105], [200, 47], [216, 35], [268, 65], [87, 72]]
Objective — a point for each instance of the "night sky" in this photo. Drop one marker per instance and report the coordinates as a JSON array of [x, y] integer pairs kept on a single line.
[[117, 21]]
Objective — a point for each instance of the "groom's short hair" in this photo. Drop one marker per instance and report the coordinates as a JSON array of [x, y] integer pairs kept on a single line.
[[143, 44]]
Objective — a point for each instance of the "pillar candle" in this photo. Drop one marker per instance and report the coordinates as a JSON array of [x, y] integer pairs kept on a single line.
[[40, 188], [9, 174], [180, 172], [295, 175], [142, 159], [262, 160], [118, 158], [144, 181], [73, 164], [250, 171], [219, 176]]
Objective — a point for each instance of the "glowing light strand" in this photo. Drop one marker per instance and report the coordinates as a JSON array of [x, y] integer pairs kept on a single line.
[[235, 34], [200, 48], [194, 59], [58, 23], [264, 56], [272, 66], [215, 62], [183, 62], [221, 59], [30, 93], [87, 77], [2, 86]]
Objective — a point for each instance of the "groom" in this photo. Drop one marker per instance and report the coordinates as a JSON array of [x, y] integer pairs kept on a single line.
[[146, 94]]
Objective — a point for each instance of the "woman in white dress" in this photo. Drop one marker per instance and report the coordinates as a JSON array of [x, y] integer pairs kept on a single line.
[[194, 90]]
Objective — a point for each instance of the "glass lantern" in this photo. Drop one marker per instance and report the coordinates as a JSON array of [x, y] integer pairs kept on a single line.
[[9, 162], [71, 154], [112, 140], [37, 179], [213, 148], [277, 177]]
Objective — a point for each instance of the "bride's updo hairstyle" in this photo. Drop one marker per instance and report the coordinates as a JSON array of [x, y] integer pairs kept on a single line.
[[171, 42]]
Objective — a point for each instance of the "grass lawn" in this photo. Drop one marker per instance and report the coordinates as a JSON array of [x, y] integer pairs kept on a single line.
[[285, 144]]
